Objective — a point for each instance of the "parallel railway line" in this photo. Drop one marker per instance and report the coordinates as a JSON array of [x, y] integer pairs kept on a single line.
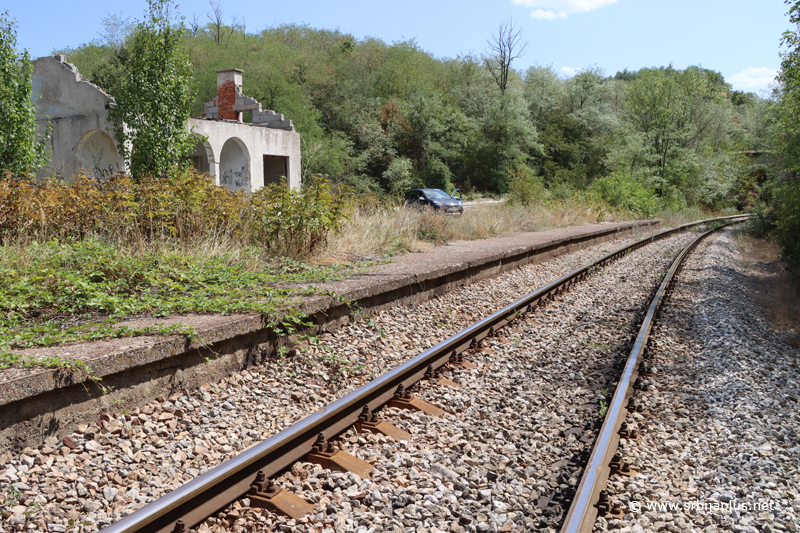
[[249, 472]]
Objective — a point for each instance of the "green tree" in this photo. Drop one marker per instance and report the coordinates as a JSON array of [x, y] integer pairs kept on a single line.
[[788, 188], [154, 99], [544, 93], [20, 152], [434, 135], [682, 121]]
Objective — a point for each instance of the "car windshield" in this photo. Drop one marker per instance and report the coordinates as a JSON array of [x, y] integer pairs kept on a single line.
[[436, 193]]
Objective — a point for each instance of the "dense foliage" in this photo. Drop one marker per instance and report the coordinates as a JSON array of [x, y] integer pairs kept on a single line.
[[20, 152], [385, 117], [787, 188], [186, 210], [153, 96]]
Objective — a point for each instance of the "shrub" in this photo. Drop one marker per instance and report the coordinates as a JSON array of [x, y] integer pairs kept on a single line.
[[788, 225], [20, 152], [762, 224], [187, 208], [524, 187], [296, 223], [621, 189], [432, 227]]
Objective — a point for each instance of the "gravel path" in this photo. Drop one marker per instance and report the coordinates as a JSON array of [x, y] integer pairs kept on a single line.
[[107, 470], [720, 449]]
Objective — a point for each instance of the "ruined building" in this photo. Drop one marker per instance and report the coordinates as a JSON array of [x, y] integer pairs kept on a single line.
[[239, 156]]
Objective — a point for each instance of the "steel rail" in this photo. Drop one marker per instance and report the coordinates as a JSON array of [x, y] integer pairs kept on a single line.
[[583, 511], [213, 490]]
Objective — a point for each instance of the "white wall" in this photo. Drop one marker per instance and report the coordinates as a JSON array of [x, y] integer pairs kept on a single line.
[[74, 107], [77, 111], [97, 155], [257, 140], [234, 166]]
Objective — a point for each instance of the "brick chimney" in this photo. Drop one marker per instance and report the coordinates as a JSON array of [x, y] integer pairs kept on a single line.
[[229, 84]]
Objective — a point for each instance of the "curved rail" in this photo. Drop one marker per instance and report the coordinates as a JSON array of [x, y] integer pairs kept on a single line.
[[231, 480], [584, 509]]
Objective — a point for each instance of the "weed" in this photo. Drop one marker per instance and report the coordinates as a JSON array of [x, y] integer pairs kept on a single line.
[[385, 230], [588, 343], [106, 389], [340, 367], [81, 291], [603, 408]]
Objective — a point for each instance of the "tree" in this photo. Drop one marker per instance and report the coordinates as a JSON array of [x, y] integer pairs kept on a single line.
[[154, 99], [505, 47], [788, 189], [219, 30], [543, 91], [20, 152], [680, 116]]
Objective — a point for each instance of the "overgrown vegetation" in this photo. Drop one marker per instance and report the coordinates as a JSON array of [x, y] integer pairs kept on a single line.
[[185, 209], [787, 189], [20, 152], [376, 119], [78, 258], [383, 118], [53, 293], [153, 96]]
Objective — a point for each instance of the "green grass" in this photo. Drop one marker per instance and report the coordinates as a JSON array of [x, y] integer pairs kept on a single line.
[[52, 293]]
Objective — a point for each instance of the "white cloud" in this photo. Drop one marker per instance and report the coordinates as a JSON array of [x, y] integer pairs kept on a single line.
[[569, 71], [547, 15], [753, 78], [555, 9]]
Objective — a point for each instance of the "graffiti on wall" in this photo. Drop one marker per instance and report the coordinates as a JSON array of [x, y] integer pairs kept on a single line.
[[99, 158], [234, 177]]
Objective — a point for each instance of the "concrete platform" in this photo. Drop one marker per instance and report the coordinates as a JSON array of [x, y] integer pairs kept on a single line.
[[42, 405]]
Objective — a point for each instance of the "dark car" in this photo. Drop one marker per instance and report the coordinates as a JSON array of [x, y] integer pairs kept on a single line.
[[435, 199]]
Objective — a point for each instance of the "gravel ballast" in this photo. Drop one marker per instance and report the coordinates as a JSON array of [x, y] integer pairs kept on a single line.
[[497, 463], [719, 448]]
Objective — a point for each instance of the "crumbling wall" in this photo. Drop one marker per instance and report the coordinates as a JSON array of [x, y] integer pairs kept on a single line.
[[81, 136], [256, 143], [77, 111], [230, 103]]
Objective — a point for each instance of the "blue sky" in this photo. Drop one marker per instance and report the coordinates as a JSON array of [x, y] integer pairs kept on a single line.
[[736, 37]]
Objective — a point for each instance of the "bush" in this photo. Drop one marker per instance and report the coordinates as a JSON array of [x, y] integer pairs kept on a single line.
[[621, 189], [432, 227], [788, 225], [524, 187], [20, 152], [762, 224], [296, 223], [187, 208]]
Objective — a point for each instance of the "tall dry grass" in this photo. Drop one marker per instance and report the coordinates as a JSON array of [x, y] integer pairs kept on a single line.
[[382, 231], [777, 295]]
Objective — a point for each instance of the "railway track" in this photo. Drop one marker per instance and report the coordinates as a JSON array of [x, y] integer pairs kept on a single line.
[[591, 498], [715, 409], [249, 473]]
